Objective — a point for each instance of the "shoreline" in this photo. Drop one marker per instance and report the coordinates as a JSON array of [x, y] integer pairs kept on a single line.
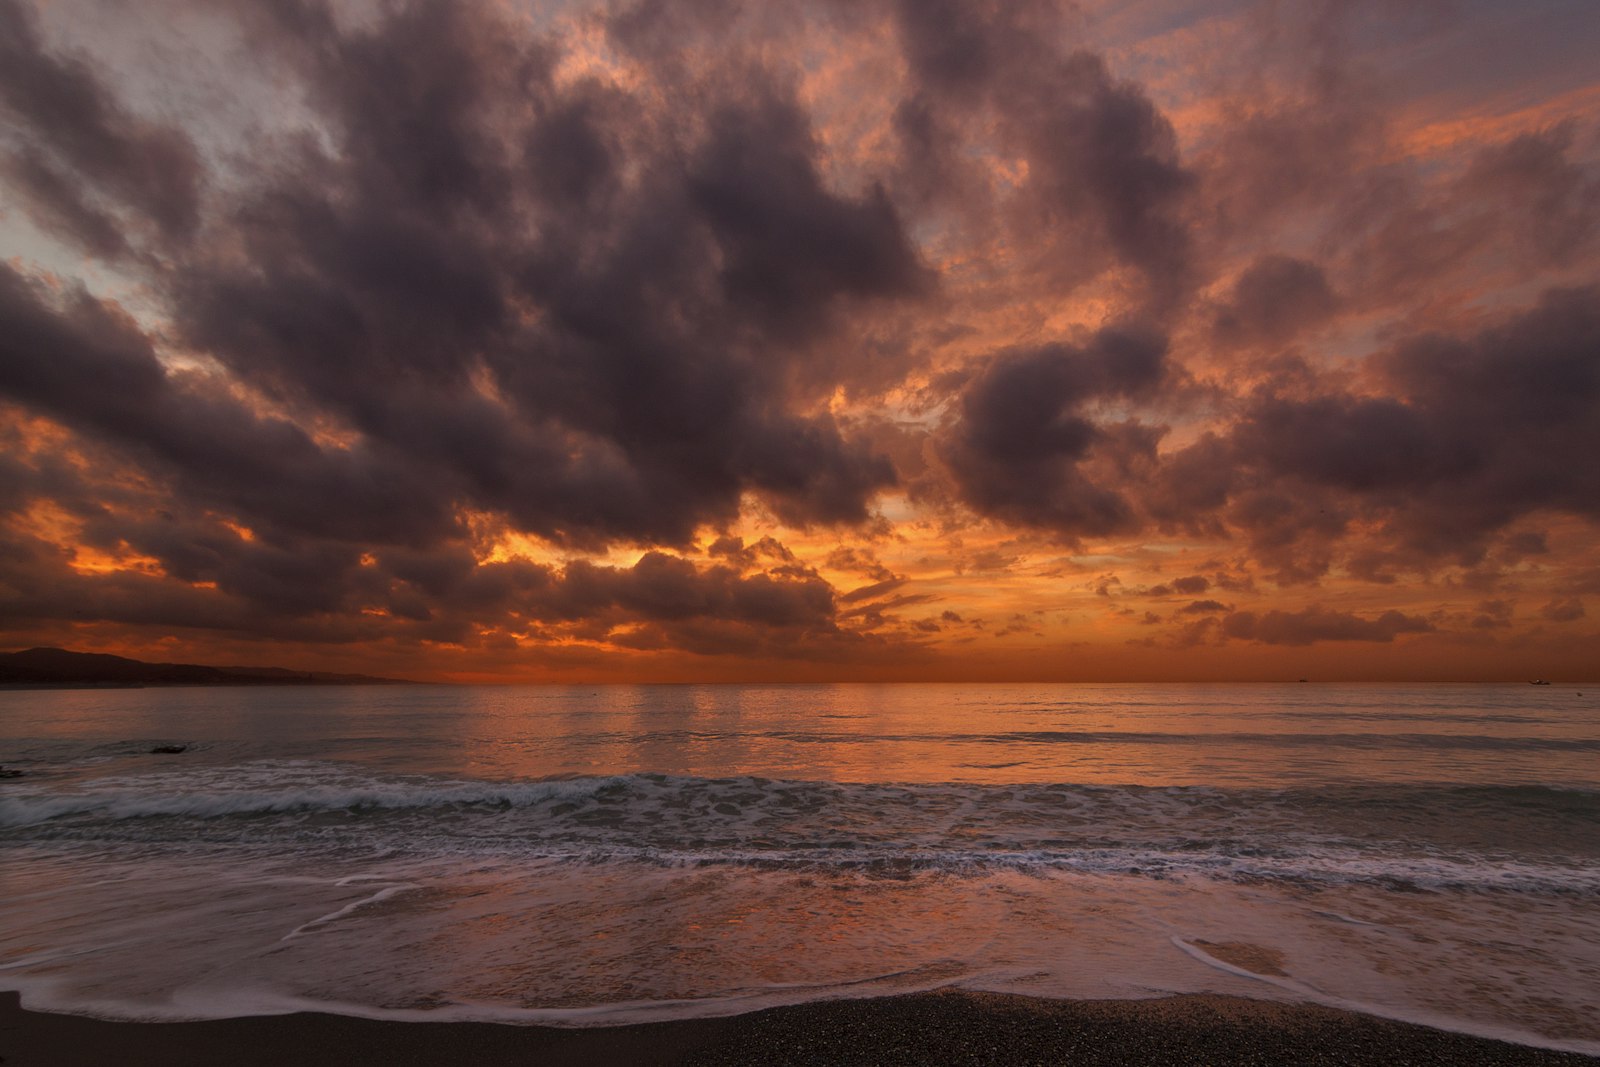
[[946, 1026]]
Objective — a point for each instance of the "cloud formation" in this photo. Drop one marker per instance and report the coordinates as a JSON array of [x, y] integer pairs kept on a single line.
[[1027, 452], [1316, 624], [786, 332]]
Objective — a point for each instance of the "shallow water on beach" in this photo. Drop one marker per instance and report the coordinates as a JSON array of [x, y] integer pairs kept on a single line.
[[584, 855]]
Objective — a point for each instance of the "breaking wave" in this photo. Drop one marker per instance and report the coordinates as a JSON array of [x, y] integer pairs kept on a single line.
[[1514, 838]]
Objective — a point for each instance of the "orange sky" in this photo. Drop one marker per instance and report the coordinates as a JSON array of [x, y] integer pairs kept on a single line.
[[597, 342]]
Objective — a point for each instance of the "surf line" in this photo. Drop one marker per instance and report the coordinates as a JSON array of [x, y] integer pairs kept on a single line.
[[1302, 989], [333, 916]]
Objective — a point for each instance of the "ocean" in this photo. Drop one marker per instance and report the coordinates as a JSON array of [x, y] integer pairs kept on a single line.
[[596, 855]]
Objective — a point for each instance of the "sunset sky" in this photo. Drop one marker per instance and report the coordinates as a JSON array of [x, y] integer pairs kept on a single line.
[[837, 339]]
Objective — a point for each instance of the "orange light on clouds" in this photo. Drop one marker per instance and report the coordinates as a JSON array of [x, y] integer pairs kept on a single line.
[[809, 342]]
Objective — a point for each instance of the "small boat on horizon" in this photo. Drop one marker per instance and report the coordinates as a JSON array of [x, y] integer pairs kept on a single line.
[[1538, 681]]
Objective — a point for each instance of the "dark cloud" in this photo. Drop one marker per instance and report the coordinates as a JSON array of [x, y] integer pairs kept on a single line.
[[747, 556], [57, 206], [68, 127], [1546, 202], [88, 365], [1027, 449], [860, 561], [1524, 543], [1455, 439], [1374, 565], [471, 282], [1317, 624], [1104, 184], [1291, 535], [789, 246], [1526, 207], [1287, 157], [593, 313], [1191, 487], [1493, 615], [955, 47], [328, 593], [1104, 151], [1343, 442], [475, 292], [1276, 298], [623, 369], [1502, 407], [870, 592], [667, 589], [1203, 631], [1563, 609]]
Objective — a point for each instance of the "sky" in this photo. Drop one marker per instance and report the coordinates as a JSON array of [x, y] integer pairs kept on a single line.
[[708, 340]]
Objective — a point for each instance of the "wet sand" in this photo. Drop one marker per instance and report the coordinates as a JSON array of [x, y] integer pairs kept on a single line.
[[947, 1027]]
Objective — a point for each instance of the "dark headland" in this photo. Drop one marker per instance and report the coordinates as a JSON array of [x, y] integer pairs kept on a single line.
[[947, 1027], [60, 667]]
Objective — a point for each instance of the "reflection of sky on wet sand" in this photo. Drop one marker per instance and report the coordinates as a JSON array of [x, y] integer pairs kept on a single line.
[[591, 943], [585, 855]]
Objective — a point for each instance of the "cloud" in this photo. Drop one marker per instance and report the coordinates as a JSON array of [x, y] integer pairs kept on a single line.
[[663, 588], [1317, 624], [1461, 440], [1104, 186], [1272, 301], [327, 594], [869, 592], [1026, 449], [1500, 406], [82, 161], [860, 561], [482, 300], [86, 364], [790, 246], [1564, 609], [1493, 615], [320, 348], [1543, 196], [746, 556]]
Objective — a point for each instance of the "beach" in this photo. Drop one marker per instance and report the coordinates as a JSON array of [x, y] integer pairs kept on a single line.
[[618, 531], [793, 874], [947, 1027]]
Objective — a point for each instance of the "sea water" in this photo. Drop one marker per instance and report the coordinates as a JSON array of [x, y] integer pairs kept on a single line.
[[582, 856]]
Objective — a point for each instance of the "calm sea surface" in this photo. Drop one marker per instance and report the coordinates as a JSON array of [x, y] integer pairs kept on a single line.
[[599, 855]]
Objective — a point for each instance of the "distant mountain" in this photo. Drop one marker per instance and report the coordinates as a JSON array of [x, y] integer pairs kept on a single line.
[[57, 666]]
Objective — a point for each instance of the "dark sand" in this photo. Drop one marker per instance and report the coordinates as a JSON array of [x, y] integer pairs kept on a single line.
[[947, 1027]]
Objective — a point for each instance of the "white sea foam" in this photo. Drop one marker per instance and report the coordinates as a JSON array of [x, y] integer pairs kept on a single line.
[[1392, 836], [339, 913], [497, 854], [1302, 991], [267, 789]]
